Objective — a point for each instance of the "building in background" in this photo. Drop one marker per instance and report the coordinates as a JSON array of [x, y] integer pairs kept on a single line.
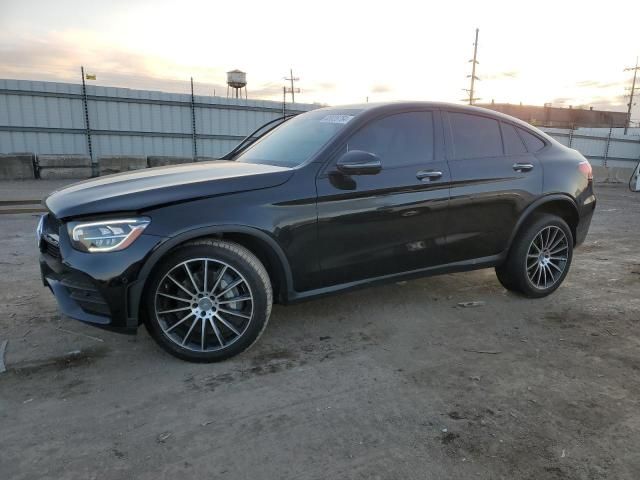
[[559, 117]]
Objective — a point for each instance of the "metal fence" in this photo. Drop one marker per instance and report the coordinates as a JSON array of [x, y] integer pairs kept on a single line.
[[605, 147], [61, 118]]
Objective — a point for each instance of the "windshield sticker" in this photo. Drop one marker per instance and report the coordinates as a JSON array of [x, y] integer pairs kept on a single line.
[[336, 118]]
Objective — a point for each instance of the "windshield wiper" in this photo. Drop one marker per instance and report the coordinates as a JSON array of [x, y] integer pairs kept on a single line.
[[253, 136]]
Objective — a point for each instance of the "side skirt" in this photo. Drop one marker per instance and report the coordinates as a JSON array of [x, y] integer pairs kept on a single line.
[[464, 266]]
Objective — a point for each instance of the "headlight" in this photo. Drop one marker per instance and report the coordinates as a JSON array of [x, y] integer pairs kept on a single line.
[[39, 230], [107, 235]]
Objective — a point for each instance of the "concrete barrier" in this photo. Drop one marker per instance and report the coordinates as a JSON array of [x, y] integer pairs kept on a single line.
[[612, 174], [54, 167], [162, 161], [120, 163], [17, 166]]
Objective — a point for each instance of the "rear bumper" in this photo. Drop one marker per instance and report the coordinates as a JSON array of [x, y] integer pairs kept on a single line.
[[586, 214], [95, 288]]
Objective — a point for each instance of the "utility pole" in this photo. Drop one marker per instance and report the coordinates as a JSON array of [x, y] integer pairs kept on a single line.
[[473, 76], [85, 104], [194, 138], [284, 102], [292, 90], [633, 90]]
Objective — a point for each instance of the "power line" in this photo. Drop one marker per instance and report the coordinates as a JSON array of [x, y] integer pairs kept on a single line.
[[633, 88]]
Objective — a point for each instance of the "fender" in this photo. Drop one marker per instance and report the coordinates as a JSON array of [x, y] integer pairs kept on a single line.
[[538, 203], [134, 292]]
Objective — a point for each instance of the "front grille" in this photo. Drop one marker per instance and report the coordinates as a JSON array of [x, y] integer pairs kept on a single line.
[[51, 236]]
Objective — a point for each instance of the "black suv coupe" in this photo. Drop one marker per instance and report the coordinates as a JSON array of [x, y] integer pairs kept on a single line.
[[329, 200]]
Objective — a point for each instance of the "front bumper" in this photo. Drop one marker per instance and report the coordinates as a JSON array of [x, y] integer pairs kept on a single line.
[[96, 288]]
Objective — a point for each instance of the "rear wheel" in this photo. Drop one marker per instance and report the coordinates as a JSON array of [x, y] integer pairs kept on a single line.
[[539, 259], [208, 301]]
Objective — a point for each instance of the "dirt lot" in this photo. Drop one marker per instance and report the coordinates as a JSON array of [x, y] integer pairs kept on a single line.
[[394, 382]]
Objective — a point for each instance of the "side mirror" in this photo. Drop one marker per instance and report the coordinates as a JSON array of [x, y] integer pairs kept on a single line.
[[358, 162]]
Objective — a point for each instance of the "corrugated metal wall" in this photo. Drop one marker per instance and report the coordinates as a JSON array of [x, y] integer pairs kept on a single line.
[[47, 117], [602, 146]]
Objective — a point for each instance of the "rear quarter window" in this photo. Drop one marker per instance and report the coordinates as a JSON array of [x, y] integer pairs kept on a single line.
[[513, 144], [532, 142]]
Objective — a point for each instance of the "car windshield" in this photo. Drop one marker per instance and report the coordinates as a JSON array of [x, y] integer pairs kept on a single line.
[[298, 139]]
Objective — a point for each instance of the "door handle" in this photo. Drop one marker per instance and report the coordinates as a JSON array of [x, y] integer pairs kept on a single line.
[[428, 175], [522, 167]]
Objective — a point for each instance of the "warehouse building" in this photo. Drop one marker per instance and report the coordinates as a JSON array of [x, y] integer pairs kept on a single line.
[[560, 117]]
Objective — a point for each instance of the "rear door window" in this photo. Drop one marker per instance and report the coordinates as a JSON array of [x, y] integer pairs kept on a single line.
[[475, 136]]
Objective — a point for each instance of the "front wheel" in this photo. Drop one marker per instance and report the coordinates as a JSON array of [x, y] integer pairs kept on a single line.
[[208, 301], [539, 259]]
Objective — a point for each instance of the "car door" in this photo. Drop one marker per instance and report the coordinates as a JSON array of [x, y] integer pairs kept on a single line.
[[494, 178], [376, 225]]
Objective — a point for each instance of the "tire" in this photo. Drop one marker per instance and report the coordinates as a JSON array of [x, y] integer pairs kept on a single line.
[[539, 259], [208, 301], [505, 279]]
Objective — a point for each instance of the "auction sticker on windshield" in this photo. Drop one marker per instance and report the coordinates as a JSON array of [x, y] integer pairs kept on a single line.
[[336, 118]]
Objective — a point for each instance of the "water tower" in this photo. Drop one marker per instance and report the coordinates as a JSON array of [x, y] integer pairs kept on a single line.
[[237, 80]]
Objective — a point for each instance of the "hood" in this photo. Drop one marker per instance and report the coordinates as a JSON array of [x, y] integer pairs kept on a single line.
[[152, 187]]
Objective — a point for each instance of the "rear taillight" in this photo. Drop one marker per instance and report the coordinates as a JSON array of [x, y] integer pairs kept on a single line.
[[585, 168]]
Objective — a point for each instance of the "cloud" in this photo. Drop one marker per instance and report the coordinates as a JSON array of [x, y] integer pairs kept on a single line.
[[381, 88], [561, 100], [313, 87], [326, 86], [266, 90], [617, 102], [501, 75], [57, 56], [598, 84]]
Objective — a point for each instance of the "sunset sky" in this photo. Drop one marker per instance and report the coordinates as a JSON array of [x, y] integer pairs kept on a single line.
[[567, 53]]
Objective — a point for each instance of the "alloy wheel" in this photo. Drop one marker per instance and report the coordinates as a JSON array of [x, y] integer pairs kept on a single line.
[[203, 304], [547, 257]]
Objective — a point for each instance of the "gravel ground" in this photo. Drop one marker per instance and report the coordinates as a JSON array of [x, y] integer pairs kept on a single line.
[[392, 382]]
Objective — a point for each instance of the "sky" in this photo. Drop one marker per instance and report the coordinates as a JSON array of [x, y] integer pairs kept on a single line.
[[560, 52]]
